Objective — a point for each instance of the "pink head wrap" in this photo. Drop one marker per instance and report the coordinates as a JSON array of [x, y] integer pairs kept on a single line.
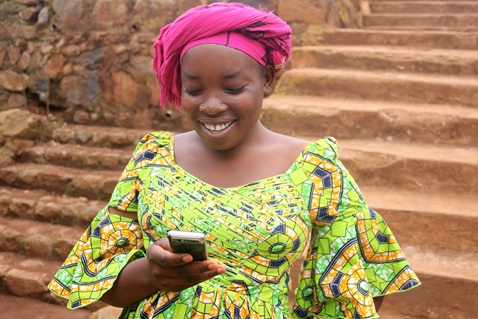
[[233, 40], [260, 34]]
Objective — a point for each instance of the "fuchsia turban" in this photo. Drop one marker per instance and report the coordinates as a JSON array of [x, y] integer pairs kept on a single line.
[[210, 23]]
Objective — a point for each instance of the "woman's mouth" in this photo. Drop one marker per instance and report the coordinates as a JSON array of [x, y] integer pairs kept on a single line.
[[217, 128]]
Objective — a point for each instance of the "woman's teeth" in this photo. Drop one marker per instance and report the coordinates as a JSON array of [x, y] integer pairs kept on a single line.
[[217, 127]]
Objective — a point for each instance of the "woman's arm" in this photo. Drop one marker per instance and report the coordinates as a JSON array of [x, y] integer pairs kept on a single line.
[[159, 270], [378, 302]]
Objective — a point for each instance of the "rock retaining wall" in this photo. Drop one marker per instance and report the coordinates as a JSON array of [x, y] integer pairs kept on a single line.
[[90, 60]]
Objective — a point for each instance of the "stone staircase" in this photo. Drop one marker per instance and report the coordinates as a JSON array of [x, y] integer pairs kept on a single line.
[[400, 95]]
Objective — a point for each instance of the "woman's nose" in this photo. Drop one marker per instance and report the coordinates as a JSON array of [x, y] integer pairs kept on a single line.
[[212, 106]]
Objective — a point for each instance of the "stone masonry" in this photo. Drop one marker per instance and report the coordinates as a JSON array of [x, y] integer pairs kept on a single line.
[[91, 60]]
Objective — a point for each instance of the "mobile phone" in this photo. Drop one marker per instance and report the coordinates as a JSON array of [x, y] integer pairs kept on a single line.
[[192, 243]]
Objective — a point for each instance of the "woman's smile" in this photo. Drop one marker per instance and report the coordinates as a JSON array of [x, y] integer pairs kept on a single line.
[[217, 128]]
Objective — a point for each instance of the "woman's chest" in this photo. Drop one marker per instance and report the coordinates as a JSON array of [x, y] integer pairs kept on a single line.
[[261, 220]]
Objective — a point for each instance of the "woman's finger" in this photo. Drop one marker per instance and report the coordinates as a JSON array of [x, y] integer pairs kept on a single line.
[[179, 283], [159, 254]]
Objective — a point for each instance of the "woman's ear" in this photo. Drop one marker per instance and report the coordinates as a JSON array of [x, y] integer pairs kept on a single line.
[[269, 79]]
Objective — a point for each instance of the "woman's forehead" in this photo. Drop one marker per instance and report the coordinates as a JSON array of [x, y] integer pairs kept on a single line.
[[214, 55]]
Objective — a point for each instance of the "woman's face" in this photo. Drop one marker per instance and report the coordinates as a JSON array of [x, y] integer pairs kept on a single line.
[[222, 93]]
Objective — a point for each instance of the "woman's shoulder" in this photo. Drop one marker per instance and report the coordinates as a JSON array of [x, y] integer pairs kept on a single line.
[[326, 147], [326, 142], [152, 147], [153, 141], [156, 137], [289, 142]]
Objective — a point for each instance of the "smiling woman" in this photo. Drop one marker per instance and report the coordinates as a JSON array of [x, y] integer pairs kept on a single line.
[[262, 200], [222, 96]]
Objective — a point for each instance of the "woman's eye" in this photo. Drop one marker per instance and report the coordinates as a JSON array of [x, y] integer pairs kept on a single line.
[[192, 92], [236, 90]]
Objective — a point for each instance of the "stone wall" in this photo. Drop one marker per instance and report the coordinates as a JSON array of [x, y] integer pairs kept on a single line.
[[89, 61]]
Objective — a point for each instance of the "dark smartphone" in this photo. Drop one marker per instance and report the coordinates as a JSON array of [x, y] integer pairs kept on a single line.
[[192, 243]]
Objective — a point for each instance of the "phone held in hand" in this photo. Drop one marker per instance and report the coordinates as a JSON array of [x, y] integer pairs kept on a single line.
[[192, 243]]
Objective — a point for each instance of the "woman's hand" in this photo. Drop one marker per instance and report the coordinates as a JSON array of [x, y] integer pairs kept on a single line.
[[177, 271], [161, 269]]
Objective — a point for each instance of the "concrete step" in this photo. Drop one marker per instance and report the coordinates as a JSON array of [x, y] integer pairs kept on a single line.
[[27, 276], [42, 206], [427, 219], [449, 281], [70, 155], [422, 21], [379, 58], [385, 86], [93, 184], [37, 239], [412, 1], [424, 6], [417, 167], [111, 137], [32, 308], [407, 38], [273, 116], [366, 119], [387, 313], [25, 279], [430, 28], [100, 138], [423, 123]]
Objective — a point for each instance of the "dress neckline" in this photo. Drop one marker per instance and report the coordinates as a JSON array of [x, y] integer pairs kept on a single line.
[[174, 164]]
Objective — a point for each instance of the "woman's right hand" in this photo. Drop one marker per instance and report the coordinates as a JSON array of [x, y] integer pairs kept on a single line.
[[161, 269], [177, 271]]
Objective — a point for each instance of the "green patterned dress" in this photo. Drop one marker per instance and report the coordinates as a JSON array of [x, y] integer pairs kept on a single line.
[[314, 212]]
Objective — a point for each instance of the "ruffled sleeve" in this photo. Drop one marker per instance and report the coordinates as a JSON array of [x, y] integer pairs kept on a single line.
[[353, 255], [110, 242]]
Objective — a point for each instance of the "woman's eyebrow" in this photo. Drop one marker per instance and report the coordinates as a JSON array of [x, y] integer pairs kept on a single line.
[[231, 75], [190, 76]]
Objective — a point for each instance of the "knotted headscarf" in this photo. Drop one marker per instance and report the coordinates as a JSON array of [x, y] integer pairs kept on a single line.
[[207, 23]]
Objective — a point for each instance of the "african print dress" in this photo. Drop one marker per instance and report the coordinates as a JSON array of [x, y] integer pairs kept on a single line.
[[314, 212]]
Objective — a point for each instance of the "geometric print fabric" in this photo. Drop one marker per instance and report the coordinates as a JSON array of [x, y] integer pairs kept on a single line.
[[314, 210]]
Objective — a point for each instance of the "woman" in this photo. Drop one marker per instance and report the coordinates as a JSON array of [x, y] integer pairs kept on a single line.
[[262, 199]]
